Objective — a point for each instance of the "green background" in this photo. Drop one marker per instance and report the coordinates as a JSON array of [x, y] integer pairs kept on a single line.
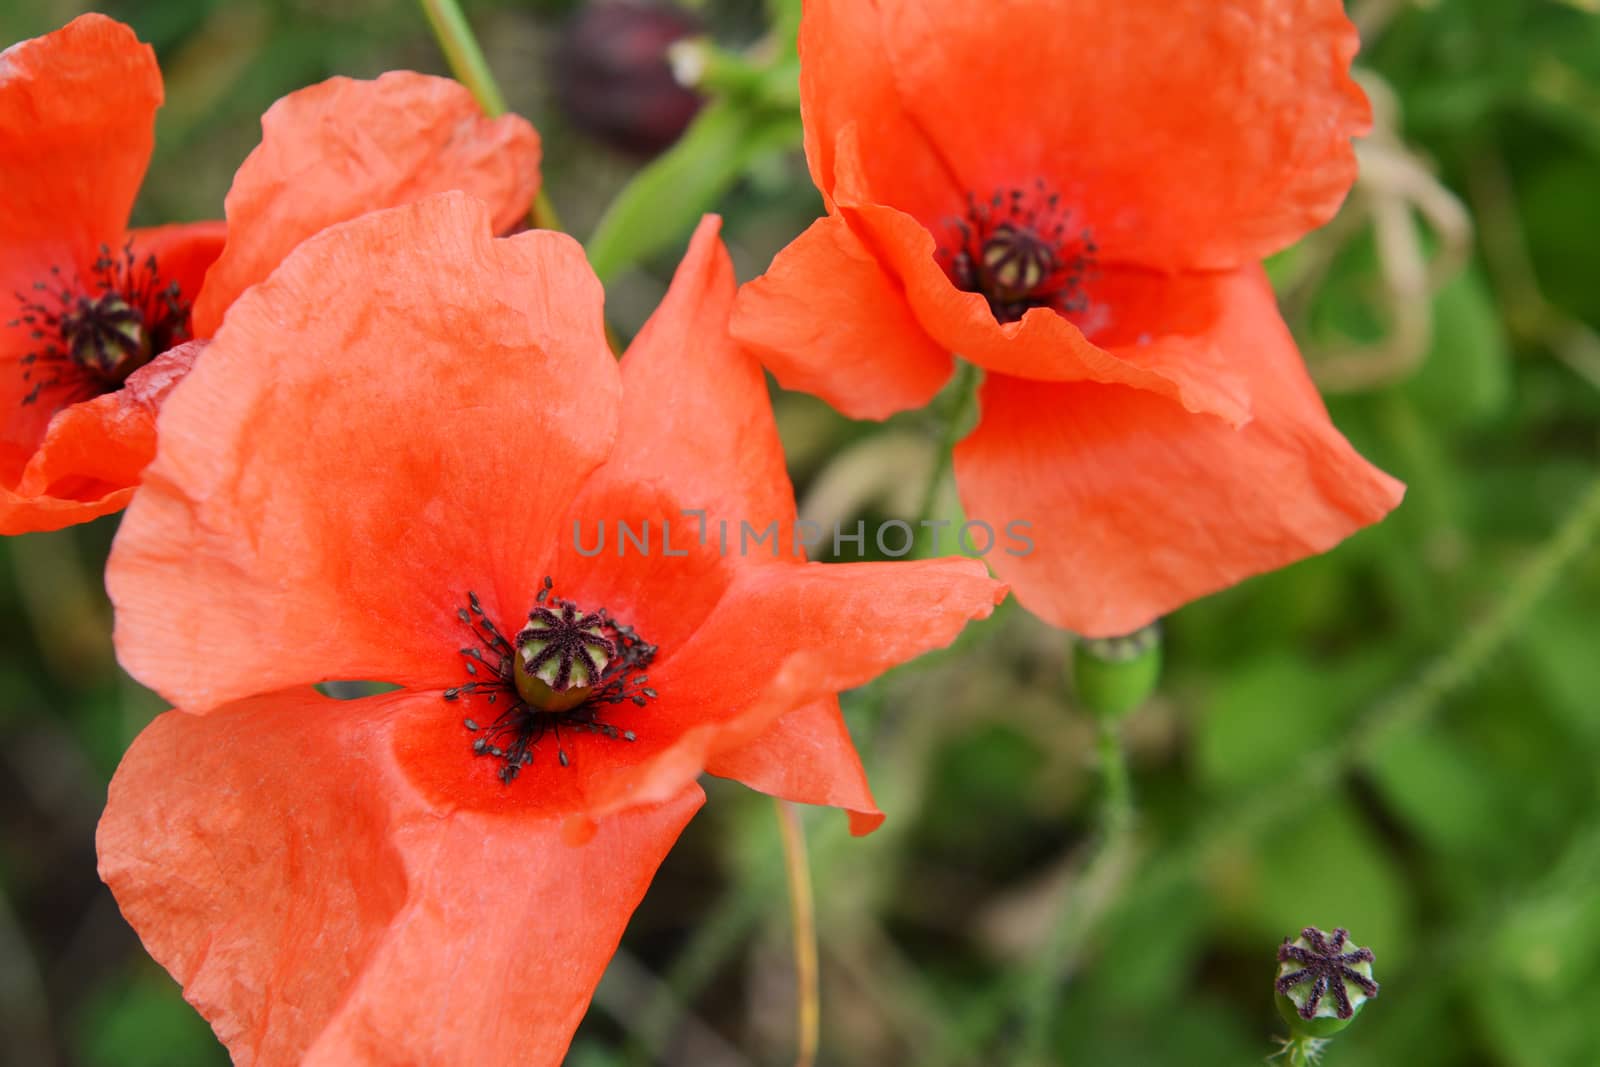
[[1400, 737]]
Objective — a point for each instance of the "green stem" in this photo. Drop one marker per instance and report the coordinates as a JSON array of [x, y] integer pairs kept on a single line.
[[467, 63], [1086, 898], [1303, 1051], [964, 395], [461, 51]]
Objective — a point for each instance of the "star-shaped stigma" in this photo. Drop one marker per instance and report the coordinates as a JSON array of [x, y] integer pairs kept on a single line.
[[1322, 960], [563, 670], [563, 647]]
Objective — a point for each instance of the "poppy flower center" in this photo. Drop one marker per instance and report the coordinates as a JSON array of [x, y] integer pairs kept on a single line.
[[1016, 250], [89, 336], [563, 670]]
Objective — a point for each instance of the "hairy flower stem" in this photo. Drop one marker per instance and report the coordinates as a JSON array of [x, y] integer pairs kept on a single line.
[[803, 909], [963, 395], [467, 63], [1299, 1051], [1084, 900]]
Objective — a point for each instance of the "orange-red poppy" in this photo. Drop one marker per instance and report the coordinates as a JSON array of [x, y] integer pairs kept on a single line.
[[439, 874], [1074, 195], [93, 303], [84, 357]]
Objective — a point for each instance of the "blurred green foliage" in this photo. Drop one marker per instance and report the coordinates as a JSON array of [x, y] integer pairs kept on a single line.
[[1278, 786]]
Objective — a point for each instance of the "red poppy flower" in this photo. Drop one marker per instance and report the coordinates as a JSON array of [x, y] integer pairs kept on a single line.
[[94, 301], [388, 454], [1074, 196], [84, 359]]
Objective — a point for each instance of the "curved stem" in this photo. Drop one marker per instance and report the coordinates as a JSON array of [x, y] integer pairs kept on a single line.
[[803, 909]]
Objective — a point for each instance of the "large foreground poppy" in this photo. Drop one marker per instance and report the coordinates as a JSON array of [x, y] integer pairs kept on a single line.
[[440, 873], [1074, 195], [86, 356]]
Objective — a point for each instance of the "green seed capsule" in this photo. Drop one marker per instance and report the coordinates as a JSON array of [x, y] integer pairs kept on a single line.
[[1115, 675]]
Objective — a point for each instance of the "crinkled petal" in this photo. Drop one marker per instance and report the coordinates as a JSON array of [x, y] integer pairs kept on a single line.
[[783, 637], [844, 80], [806, 756], [1137, 506], [318, 910], [697, 445], [827, 319], [184, 251], [339, 149], [93, 453], [66, 465], [1184, 133], [77, 122], [1169, 355], [398, 417]]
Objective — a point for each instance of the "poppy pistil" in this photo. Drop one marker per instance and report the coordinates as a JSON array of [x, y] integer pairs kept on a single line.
[[1016, 250], [92, 336], [564, 669]]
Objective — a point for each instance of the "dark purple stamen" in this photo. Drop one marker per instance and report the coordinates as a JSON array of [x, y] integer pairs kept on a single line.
[[573, 640], [90, 334], [1016, 250]]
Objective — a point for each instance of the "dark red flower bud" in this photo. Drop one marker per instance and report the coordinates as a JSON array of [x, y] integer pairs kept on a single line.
[[613, 77]]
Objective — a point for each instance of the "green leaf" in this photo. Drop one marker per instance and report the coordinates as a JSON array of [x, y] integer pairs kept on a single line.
[[666, 199], [1268, 713], [1326, 869], [1528, 979], [1441, 789]]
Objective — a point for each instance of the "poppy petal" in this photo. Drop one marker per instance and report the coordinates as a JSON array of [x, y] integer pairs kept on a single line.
[[261, 515], [77, 123], [1046, 346], [1137, 506], [1189, 134], [805, 756], [341, 148], [844, 80], [91, 457], [183, 251], [783, 637], [827, 320], [318, 910], [697, 445]]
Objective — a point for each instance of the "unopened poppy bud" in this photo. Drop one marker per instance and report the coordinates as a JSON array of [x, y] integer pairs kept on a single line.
[[1114, 675], [561, 657], [614, 79], [1323, 980]]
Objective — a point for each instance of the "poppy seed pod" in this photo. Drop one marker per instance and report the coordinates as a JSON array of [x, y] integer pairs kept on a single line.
[[614, 80], [1323, 980]]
